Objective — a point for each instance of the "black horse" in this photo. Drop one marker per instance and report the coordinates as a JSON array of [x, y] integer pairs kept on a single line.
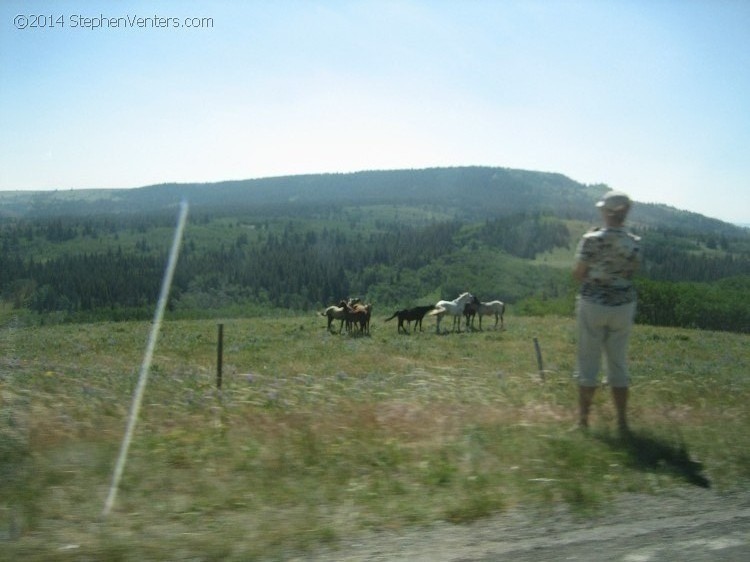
[[410, 315], [470, 311]]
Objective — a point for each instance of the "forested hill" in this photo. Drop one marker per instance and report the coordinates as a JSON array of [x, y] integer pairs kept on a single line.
[[396, 238], [462, 193]]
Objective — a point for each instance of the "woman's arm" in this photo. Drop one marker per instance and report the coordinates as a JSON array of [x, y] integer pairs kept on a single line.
[[580, 271]]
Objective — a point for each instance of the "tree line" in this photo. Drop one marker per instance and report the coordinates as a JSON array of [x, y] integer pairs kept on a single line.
[[292, 266], [304, 265]]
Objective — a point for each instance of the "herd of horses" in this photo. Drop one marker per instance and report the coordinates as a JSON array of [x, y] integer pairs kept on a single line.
[[352, 312], [355, 315]]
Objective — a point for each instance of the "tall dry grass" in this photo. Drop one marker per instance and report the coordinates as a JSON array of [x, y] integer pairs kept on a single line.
[[314, 436]]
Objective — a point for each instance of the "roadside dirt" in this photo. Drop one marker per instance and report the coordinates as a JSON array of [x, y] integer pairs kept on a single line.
[[691, 525]]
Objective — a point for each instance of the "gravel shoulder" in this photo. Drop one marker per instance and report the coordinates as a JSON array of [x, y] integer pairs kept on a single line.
[[690, 524]]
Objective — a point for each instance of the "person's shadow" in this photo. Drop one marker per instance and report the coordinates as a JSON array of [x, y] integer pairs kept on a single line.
[[646, 452]]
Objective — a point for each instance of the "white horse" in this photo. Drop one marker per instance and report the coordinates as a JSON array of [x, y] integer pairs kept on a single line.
[[496, 308], [455, 308]]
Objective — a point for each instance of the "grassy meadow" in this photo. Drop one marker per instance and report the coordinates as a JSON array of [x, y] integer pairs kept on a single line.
[[315, 436]]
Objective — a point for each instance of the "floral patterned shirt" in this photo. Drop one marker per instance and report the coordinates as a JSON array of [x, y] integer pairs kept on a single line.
[[612, 255]]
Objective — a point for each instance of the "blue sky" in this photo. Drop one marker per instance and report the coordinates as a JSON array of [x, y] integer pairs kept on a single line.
[[650, 97]]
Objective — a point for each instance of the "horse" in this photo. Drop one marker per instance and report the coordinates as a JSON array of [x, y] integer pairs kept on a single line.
[[365, 313], [408, 315], [470, 312], [336, 313], [358, 314], [455, 308], [496, 308]]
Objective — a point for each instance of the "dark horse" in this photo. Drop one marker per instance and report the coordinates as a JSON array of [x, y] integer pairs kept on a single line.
[[470, 311], [410, 315]]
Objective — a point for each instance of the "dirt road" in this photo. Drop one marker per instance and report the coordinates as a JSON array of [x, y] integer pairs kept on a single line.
[[691, 525]]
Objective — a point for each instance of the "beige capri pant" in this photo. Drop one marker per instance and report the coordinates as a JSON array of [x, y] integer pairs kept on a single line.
[[603, 329]]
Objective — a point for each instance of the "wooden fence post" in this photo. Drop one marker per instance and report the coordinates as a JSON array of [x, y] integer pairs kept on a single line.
[[539, 358], [219, 355]]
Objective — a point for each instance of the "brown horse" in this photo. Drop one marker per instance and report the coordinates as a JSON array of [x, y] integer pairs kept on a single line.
[[358, 314]]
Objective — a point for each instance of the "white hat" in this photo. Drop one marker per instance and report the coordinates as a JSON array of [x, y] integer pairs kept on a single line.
[[614, 201]]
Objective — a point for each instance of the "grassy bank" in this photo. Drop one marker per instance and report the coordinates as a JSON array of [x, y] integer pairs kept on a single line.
[[315, 436]]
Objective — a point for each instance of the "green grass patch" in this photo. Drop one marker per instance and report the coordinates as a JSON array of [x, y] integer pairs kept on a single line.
[[315, 436]]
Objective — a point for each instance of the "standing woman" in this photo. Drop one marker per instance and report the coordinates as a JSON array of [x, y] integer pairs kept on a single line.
[[605, 261]]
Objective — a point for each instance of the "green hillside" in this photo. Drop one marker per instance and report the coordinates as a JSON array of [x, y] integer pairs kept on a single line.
[[468, 192], [396, 238]]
